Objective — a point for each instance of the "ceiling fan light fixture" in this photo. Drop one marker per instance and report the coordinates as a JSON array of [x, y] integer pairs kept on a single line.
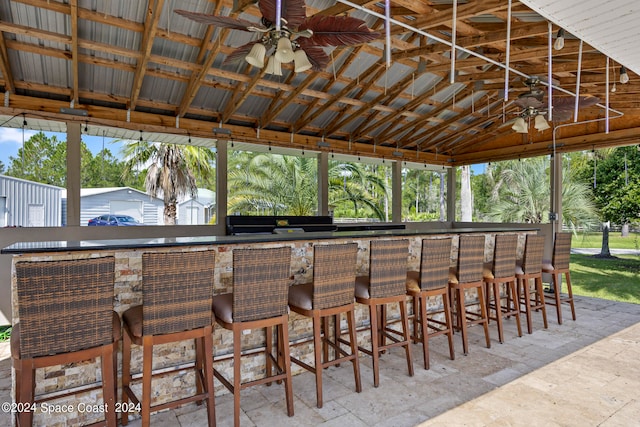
[[284, 51], [256, 56], [301, 61], [624, 76], [540, 123], [559, 43], [520, 126], [273, 66]]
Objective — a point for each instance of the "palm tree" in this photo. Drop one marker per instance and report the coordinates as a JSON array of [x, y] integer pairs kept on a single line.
[[522, 194], [352, 184], [171, 170], [272, 184]]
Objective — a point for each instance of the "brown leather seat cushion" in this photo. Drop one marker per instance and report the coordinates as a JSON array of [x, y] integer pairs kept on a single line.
[[15, 335], [223, 307], [362, 287], [487, 272], [301, 296], [413, 281], [453, 275], [547, 266], [132, 319]]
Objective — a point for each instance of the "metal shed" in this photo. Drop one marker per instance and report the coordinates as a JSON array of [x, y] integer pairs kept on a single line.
[[26, 203], [198, 210]]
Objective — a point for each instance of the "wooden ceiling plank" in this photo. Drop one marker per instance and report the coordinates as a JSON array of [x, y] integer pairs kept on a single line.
[[5, 66], [195, 82], [75, 73], [154, 9]]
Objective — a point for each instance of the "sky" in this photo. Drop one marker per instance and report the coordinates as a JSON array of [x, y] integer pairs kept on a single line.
[[11, 141]]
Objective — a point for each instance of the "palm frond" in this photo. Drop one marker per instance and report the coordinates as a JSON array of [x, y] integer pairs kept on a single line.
[[318, 58], [338, 30], [218, 21], [239, 53]]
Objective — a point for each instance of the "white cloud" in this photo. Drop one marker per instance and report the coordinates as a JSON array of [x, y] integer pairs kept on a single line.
[[14, 135]]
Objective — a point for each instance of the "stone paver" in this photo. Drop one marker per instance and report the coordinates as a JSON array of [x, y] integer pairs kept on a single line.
[[582, 373]]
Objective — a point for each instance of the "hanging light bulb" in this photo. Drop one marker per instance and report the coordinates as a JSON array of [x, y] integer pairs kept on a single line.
[[540, 123], [273, 66], [559, 43], [256, 56], [301, 61], [520, 126], [624, 77], [284, 51]]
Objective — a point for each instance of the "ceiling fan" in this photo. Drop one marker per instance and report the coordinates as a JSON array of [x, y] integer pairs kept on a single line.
[[287, 34], [533, 106]]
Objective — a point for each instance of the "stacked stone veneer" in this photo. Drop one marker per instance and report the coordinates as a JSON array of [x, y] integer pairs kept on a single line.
[[128, 292]]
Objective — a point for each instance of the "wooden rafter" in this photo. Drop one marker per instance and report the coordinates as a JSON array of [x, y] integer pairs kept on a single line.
[[375, 70], [74, 52], [150, 27], [5, 66]]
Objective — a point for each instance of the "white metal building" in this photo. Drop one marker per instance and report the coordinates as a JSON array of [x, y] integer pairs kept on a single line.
[[26, 203]]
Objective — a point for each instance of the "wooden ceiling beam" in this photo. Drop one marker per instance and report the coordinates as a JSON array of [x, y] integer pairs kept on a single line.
[[5, 66], [154, 9], [75, 73], [195, 82]]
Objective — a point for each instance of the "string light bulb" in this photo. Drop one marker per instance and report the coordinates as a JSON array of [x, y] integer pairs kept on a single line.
[[624, 77], [559, 43]]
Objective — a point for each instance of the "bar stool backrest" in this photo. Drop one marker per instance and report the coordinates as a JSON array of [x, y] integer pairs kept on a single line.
[[260, 283], [470, 258], [561, 251], [533, 253], [177, 289], [64, 306], [334, 275], [504, 255], [388, 260], [434, 263]]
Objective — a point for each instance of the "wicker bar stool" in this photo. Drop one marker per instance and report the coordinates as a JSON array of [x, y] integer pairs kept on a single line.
[[501, 271], [531, 268], [467, 275], [177, 290], [66, 316], [330, 295], [258, 301], [385, 284], [431, 281], [558, 266]]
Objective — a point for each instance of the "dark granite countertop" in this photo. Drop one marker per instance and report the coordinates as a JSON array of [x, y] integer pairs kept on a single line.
[[159, 242]]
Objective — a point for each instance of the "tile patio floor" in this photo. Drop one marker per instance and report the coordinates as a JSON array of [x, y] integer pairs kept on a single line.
[[582, 373]]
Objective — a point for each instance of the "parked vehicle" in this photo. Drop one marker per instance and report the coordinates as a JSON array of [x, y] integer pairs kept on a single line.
[[113, 220]]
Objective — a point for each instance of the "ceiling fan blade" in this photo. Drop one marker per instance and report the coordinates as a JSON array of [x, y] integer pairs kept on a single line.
[[529, 102], [218, 21], [317, 56], [293, 11], [239, 53], [338, 30]]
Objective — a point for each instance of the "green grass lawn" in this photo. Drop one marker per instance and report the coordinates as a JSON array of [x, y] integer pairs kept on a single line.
[[616, 279], [594, 240]]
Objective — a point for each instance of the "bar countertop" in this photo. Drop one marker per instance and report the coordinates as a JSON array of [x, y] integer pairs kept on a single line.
[[159, 242]]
